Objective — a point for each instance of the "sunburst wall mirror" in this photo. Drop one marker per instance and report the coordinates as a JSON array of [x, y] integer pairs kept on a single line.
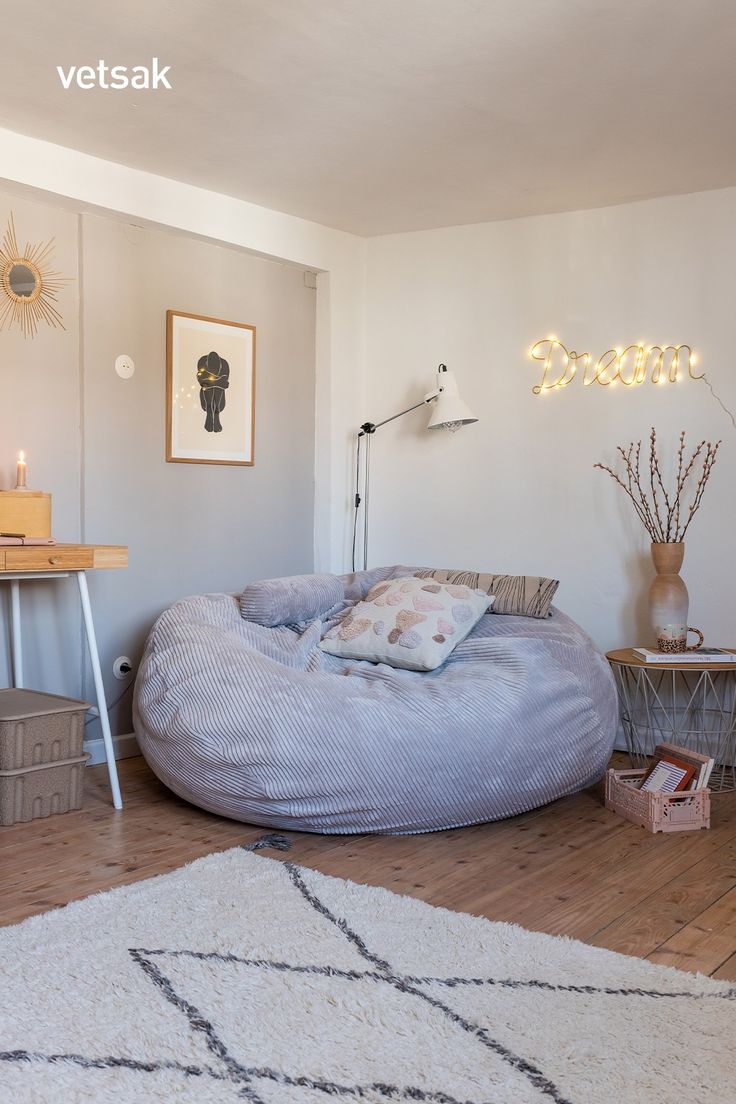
[[29, 284]]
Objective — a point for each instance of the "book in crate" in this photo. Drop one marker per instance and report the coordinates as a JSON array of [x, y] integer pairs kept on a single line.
[[663, 810]]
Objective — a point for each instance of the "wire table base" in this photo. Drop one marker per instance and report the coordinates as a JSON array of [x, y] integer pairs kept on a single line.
[[695, 708]]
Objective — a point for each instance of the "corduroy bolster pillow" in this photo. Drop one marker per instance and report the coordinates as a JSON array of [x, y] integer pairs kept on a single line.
[[519, 595], [288, 601]]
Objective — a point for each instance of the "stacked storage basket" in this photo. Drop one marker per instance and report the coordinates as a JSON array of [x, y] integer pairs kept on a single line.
[[41, 755]]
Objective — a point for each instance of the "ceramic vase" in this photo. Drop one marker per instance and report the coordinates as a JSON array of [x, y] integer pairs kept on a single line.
[[668, 597]]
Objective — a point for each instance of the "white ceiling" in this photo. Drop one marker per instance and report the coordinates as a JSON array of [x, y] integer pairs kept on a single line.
[[384, 115]]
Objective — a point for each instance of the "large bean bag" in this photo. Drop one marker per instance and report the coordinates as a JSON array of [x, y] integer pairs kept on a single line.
[[260, 725]]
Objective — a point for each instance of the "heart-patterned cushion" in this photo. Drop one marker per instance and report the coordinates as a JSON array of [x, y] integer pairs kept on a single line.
[[408, 623]]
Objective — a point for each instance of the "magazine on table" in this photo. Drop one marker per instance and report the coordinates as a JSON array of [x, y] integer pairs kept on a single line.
[[702, 655]]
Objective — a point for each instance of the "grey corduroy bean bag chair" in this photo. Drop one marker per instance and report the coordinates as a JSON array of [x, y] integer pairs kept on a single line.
[[257, 723]]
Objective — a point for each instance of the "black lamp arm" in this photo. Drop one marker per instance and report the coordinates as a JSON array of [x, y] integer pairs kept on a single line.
[[367, 430], [371, 427]]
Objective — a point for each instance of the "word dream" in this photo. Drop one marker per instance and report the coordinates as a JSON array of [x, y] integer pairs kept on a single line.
[[631, 366]]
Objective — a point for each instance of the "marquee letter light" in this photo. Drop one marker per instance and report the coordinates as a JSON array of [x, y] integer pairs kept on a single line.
[[630, 366]]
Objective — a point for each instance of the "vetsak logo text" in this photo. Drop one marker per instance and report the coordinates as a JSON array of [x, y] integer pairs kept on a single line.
[[116, 77]]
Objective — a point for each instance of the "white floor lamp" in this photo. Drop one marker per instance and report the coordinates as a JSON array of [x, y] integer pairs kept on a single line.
[[448, 412]]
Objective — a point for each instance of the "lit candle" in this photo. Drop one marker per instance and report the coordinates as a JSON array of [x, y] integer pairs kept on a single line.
[[20, 479]]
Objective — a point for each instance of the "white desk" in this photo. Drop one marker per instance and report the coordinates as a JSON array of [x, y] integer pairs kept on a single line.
[[59, 561]]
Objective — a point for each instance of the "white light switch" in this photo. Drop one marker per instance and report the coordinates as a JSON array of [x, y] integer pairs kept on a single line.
[[124, 366]]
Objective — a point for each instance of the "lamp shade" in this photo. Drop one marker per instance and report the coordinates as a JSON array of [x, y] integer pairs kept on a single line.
[[448, 409]]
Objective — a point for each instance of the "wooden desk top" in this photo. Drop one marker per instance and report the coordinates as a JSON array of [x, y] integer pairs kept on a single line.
[[61, 557], [627, 658]]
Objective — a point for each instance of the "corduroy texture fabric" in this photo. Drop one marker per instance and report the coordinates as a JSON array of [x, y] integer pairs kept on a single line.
[[519, 595], [291, 600], [261, 725]]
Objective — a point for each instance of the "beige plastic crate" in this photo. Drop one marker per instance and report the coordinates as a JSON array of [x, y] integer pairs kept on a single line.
[[684, 811], [41, 791], [37, 728]]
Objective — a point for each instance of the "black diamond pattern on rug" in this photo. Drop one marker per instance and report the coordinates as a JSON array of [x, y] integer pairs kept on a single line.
[[249, 1080]]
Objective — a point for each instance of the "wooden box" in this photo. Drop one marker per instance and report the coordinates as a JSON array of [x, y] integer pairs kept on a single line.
[[683, 811], [25, 513]]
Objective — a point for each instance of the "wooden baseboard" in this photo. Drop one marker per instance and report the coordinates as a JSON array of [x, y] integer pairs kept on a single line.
[[126, 746]]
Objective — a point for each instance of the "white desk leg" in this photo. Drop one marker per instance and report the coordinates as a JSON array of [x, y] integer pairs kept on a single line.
[[100, 690], [17, 639]]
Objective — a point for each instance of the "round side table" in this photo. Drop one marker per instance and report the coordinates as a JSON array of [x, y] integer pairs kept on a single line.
[[692, 704]]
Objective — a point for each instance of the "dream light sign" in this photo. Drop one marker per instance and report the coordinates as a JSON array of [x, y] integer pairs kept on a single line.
[[630, 366]]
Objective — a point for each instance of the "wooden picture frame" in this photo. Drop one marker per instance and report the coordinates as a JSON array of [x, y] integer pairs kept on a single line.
[[210, 390]]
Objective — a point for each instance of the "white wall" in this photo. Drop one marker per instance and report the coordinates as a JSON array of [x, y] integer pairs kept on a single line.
[[61, 190], [189, 528], [83, 183], [39, 408], [517, 492]]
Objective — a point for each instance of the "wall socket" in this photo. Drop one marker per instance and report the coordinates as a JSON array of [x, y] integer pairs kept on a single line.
[[122, 668], [124, 366]]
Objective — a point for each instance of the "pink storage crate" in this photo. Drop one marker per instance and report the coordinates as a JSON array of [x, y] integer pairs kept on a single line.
[[684, 811]]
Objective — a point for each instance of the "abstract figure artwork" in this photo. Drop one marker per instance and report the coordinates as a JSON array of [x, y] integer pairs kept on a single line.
[[210, 367], [213, 376]]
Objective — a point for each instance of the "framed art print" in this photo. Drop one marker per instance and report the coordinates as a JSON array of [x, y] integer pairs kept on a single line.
[[210, 390]]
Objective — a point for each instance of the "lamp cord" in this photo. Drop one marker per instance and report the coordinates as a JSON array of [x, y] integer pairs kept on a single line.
[[366, 486], [356, 504], [116, 701]]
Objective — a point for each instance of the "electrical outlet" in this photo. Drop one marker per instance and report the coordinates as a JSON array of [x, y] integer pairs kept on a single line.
[[122, 668], [124, 366]]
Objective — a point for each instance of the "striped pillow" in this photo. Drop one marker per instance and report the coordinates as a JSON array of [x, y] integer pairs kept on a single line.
[[519, 595]]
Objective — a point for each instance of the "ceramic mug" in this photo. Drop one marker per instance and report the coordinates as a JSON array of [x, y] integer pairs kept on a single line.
[[673, 638]]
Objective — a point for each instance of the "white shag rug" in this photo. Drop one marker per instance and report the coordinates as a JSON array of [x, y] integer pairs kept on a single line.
[[240, 978]]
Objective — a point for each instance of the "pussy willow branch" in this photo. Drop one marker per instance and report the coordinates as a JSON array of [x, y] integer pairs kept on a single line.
[[710, 459], [637, 505], [653, 484], [688, 468], [649, 523], [656, 472], [680, 484], [633, 479], [670, 529]]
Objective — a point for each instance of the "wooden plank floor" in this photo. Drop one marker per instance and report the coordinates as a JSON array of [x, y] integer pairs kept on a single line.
[[571, 868]]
